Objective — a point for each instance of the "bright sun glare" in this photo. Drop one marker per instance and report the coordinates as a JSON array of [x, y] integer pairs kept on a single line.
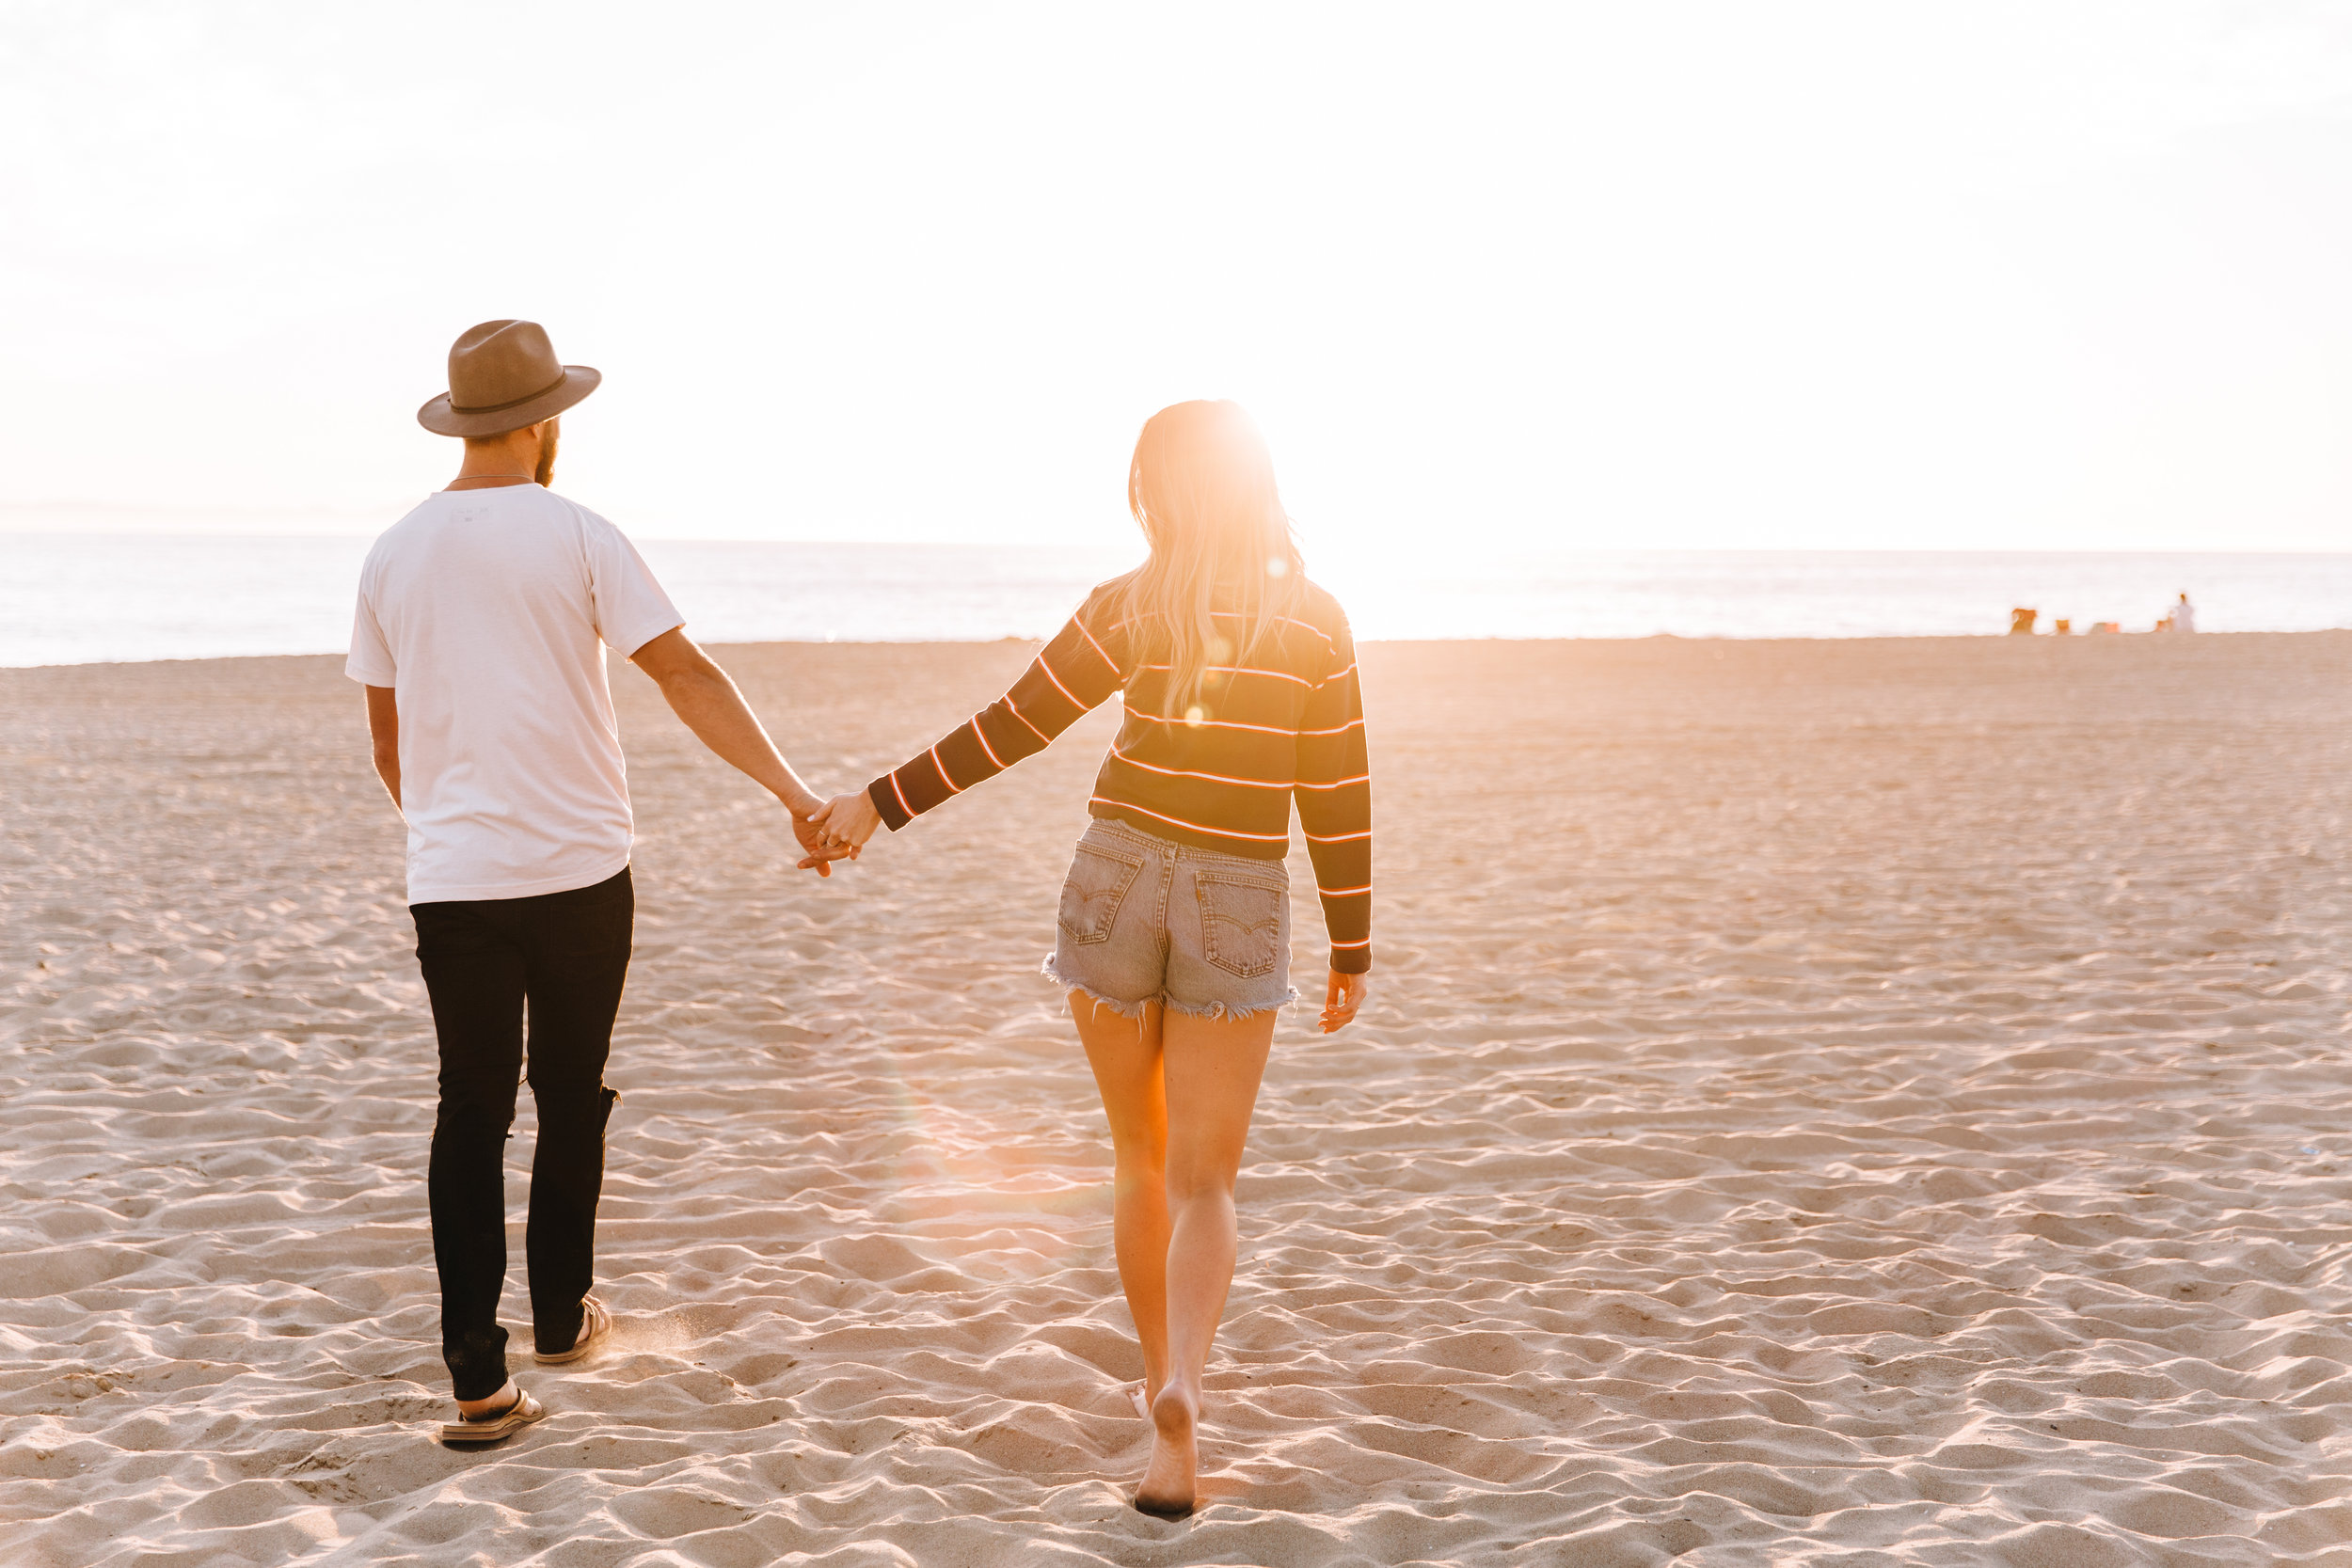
[[1813, 275]]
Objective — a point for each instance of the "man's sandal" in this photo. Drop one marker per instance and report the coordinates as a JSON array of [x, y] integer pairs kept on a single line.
[[497, 1424], [594, 1324]]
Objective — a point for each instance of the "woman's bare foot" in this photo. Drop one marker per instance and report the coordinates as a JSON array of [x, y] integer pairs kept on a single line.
[[1167, 1492]]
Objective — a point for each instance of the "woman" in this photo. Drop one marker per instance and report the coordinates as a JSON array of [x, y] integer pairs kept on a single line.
[[1173, 938]]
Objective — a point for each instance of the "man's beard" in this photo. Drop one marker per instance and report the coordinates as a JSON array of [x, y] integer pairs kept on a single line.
[[545, 474]]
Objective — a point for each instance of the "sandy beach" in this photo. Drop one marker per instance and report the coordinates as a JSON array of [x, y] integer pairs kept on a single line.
[[1834, 1104]]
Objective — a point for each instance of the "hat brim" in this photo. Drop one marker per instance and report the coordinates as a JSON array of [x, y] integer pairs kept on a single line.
[[442, 420]]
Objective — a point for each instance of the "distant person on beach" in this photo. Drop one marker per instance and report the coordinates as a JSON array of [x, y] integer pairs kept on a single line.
[[2183, 615], [1173, 936], [480, 635]]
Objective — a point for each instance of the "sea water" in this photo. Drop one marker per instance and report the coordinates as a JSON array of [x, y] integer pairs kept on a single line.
[[75, 598]]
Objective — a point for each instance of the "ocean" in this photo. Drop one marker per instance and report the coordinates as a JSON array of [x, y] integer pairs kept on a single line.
[[82, 598]]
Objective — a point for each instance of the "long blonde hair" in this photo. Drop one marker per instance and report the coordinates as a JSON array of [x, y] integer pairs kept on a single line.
[[1201, 488]]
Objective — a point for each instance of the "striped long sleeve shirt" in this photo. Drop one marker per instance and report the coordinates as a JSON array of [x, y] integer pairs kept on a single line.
[[1285, 723]]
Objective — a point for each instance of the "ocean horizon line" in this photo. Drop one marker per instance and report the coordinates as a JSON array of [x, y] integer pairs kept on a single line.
[[1531, 638], [79, 599]]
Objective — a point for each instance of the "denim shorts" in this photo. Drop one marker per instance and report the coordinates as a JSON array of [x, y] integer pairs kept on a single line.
[[1146, 920]]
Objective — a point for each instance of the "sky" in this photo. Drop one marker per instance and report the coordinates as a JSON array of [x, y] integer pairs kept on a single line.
[[1494, 280]]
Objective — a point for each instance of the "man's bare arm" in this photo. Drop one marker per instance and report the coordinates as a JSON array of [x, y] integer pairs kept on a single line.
[[384, 737], [700, 694]]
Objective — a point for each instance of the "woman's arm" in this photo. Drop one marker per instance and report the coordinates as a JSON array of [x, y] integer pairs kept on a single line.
[[1071, 676], [1334, 795]]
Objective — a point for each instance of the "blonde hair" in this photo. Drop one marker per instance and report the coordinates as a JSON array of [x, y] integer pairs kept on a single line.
[[1201, 487]]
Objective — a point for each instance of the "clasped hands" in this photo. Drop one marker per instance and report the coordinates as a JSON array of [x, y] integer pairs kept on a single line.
[[836, 829]]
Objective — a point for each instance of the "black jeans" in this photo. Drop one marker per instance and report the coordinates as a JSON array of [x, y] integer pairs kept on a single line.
[[566, 956]]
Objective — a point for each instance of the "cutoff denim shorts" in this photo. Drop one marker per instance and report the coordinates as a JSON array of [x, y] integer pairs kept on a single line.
[[1143, 920]]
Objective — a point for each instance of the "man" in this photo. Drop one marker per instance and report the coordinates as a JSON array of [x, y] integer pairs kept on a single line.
[[480, 636]]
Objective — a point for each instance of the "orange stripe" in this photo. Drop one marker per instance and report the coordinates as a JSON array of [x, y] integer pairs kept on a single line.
[[1229, 615], [981, 735], [1334, 676], [1366, 942], [1336, 784], [1343, 891], [1098, 647], [1351, 724], [953, 787], [1214, 778], [902, 794], [1337, 838], [1210, 724], [1231, 670], [1286, 620], [1015, 710], [1178, 821], [1056, 680]]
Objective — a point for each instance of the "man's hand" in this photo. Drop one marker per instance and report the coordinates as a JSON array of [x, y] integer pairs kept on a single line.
[[846, 821], [1341, 998], [819, 854]]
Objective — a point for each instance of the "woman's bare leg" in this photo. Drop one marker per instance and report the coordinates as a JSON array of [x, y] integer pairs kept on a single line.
[[1125, 1055], [1211, 1069]]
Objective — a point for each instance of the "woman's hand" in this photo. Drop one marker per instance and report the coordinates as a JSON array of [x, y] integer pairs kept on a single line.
[[1341, 998], [846, 821]]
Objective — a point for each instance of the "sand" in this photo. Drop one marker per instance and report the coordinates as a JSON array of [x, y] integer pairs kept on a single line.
[[1837, 1104]]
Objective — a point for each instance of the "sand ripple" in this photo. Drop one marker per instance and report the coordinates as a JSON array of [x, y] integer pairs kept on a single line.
[[1846, 1104]]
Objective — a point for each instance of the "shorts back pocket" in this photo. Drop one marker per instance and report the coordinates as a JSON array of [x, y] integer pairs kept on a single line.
[[1241, 923], [1096, 886]]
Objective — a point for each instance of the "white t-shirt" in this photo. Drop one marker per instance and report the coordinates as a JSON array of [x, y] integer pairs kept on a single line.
[[487, 613]]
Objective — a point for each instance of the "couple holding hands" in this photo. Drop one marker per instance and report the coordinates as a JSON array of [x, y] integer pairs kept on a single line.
[[480, 632]]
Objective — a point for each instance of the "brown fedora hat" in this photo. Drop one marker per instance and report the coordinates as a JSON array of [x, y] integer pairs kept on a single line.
[[503, 375]]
